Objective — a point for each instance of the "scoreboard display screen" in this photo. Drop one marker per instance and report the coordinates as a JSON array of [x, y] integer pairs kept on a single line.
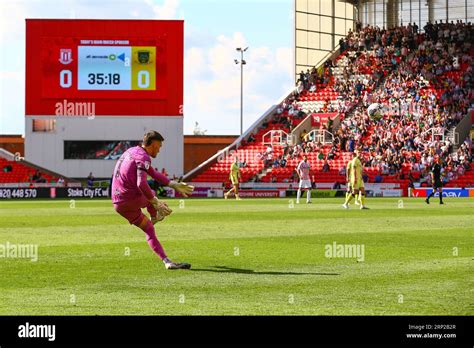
[[126, 67], [116, 68], [74, 66]]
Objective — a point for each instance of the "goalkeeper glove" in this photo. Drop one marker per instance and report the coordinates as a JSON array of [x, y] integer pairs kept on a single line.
[[182, 188], [161, 207]]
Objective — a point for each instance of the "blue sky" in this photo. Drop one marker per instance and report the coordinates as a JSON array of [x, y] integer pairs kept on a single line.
[[213, 28]]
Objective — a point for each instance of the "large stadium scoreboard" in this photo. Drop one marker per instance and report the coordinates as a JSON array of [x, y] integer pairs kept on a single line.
[[93, 87], [97, 65], [114, 63]]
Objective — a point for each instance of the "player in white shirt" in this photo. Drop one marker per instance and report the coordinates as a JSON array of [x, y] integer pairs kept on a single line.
[[305, 182]]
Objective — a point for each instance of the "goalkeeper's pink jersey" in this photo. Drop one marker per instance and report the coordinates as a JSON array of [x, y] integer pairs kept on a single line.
[[130, 176]]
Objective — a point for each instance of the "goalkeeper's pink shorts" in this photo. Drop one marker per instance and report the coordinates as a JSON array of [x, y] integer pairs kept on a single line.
[[132, 210]]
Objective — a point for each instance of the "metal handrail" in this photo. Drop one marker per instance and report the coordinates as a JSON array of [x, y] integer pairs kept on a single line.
[[275, 132], [318, 133]]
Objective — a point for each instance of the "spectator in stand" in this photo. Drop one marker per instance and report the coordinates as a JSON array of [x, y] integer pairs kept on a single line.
[[268, 160], [254, 178], [90, 180], [342, 171], [351, 145], [378, 178], [40, 178], [302, 77], [326, 167], [36, 175], [276, 163], [7, 169], [365, 177], [358, 88], [331, 154], [294, 177], [342, 45], [303, 135]]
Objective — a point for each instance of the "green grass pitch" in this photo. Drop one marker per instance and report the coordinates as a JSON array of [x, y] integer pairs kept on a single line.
[[252, 257]]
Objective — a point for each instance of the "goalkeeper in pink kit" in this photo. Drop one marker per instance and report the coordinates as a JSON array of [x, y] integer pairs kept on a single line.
[[130, 192]]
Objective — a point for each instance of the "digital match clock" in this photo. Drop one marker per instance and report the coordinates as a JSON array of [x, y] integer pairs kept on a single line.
[[115, 68]]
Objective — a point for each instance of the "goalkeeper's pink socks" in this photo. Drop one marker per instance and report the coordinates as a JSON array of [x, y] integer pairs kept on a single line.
[[153, 242]]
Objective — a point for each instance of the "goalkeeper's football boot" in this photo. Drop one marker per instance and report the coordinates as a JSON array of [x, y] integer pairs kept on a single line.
[[177, 265]]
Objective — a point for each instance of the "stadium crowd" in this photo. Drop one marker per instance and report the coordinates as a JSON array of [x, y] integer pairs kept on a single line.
[[412, 124], [423, 85]]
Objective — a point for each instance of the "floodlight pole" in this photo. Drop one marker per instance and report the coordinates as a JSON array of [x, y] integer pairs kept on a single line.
[[241, 92], [242, 62]]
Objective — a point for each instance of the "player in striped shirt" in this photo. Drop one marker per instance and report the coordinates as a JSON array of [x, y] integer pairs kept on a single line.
[[305, 182]]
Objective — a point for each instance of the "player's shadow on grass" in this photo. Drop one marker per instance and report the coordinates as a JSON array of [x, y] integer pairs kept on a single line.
[[224, 269]]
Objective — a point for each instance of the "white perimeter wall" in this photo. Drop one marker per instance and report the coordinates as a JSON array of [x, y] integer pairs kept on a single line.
[[47, 149]]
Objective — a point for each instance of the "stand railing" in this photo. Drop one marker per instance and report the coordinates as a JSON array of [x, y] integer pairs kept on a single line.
[[275, 137], [321, 136]]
